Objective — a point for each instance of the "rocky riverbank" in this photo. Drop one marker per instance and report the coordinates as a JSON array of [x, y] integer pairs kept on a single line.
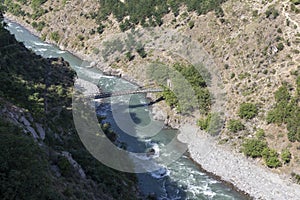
[[220, 160], [233, 167]]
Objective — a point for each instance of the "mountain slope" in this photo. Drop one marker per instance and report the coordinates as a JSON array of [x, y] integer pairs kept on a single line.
[[41, 155]]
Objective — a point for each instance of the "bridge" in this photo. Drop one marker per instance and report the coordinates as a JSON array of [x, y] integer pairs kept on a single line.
[[126, 92]]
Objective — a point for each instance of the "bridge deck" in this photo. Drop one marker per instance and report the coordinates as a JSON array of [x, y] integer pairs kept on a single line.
[[121, 93]]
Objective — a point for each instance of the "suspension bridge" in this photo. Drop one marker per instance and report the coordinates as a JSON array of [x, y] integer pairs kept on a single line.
[[102, 95]]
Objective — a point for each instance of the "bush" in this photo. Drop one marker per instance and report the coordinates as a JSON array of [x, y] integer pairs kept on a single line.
[[260, 134], [286, 111], [100, 29], [55, 36], [271, 158], [271, 11], [65, 167], [191, 24], [129, 56], [247, 111], [254, 147], [141, 51], [280, 46], [286, 156], [296, 2], [204, 122], [212, 123], [235, 126], [296, 177]]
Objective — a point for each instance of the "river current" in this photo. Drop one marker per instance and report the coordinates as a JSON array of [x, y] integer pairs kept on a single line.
[[180, 180]]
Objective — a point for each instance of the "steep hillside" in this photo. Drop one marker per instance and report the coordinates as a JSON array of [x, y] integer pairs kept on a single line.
[[254, 46], [41, 155]]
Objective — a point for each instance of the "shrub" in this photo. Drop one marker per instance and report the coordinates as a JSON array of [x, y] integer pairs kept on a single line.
[[296, 177], [286, 111], [100, 29], [271, 158], [260, 134], [65, 167], [141, 51], [129, 56], [235, 126], [280, 46], [286, 156], [212, 123], [191, 24], [80, 37], [271, 11], [296, 2], [55, 36], [247, 111], [254, 147], [204, 122]]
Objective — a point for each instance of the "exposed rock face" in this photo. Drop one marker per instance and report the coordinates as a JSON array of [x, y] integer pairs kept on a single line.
[[20, 118], [41, 131], [74, 164]]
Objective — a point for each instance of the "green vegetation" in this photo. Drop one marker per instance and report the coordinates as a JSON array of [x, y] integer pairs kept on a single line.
[[272, 12], [100, 28], [151, 12], [286, 156], [38, 26], [55, 36], [43, 88], [235, 126], [254, 147], [280, 46], [188, 86], [287, 111], [260, 134], [294, 8], [247, 111], [16, 8], [271, 158], [296, 2], [129, 56], [24, 171], [257, 147], [212, 123], [296, 177]]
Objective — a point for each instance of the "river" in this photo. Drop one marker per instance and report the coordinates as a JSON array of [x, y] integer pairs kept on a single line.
[[180, 180]]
